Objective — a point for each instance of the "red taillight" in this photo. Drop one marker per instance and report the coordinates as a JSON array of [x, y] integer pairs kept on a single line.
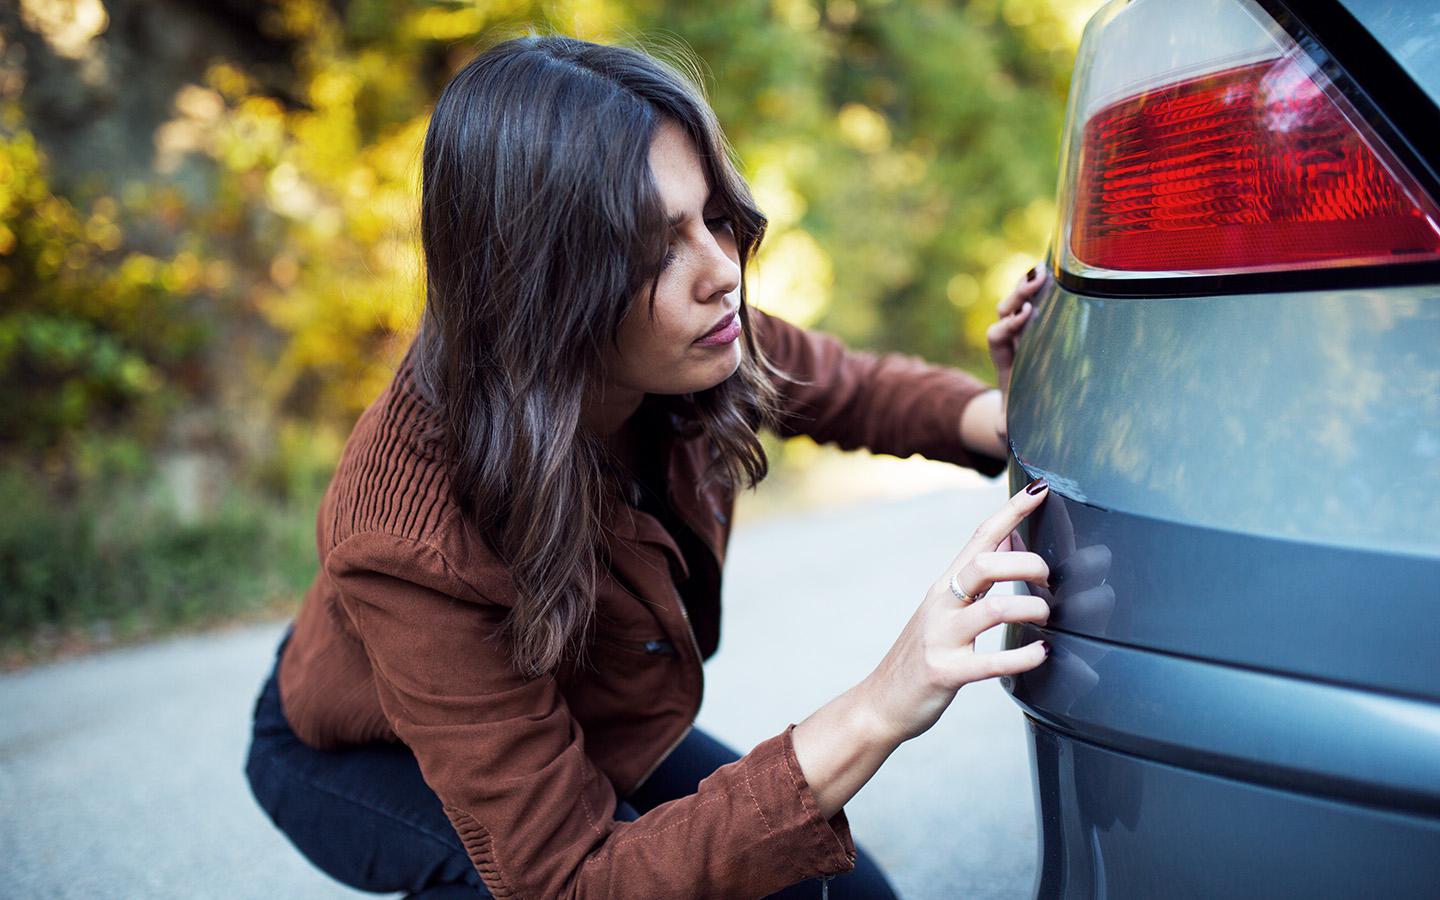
[[1244, 169]]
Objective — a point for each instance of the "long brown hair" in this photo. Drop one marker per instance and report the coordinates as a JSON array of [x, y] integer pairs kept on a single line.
[[541, 224]]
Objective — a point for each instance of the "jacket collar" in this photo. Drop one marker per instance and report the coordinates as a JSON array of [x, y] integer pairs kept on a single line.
[[628, 525]]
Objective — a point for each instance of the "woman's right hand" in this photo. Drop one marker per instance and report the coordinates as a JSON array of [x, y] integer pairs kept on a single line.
[[842, 744], [935, 654]]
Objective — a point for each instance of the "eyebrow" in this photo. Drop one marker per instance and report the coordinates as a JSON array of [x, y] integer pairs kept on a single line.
[[676, 219]]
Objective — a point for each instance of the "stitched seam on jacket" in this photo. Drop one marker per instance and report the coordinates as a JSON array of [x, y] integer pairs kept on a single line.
[[453, 512], [758, 808], [590, 816], [803, 795], [614, 844], [444, 559], [810, 807], [338, 617]]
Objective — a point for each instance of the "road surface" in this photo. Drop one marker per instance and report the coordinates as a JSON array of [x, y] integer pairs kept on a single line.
[[121, 773]]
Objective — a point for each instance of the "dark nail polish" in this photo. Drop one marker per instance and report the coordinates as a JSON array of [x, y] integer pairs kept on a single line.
[[1045, 645], [1036, 486], [1030, 275]]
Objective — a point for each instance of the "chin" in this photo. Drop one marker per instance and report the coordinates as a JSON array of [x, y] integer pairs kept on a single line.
[[727, 372], [712, 377]]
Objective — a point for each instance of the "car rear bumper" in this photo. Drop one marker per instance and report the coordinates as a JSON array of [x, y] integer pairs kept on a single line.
[[1159, 769], [1117, 825], [1289, 733]]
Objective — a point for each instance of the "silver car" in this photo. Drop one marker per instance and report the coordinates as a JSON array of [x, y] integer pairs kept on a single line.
[[1233, 387]]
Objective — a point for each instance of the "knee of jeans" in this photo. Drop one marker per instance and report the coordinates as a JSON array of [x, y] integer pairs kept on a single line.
[[264, 763], [259, 776]]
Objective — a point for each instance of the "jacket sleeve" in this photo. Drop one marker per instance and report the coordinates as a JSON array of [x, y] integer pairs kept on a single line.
[[508, 760], [887, 403]]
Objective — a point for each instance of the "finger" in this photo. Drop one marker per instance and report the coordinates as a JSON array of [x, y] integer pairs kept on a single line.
[[981, 666], [1010, 303], [1001, 335], [1000, 609], [1007, 327], [989, 568], [1028, 285], [1031, 287], [1008, 517]]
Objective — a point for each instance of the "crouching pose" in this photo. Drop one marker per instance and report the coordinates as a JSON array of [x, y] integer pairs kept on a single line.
[[490, 687]]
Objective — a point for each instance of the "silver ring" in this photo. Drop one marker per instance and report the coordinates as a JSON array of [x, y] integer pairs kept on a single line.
[[959, 592]]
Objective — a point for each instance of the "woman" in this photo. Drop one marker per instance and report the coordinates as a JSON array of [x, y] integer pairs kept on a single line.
[[490, 685]]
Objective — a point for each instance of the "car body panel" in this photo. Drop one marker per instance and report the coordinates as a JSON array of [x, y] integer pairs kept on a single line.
[[1299, 734], [1252, 478], [1116, 825], [1245, 553], [1313, 416], [1410, 32], [1242, 697]]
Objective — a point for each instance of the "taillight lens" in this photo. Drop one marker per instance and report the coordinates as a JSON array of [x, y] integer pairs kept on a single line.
[[1224, 150]]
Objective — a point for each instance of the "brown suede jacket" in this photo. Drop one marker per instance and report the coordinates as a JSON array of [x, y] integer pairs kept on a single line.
[[396, 640]]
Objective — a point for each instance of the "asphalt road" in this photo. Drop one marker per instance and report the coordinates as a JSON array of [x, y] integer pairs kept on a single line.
[[121, 773]]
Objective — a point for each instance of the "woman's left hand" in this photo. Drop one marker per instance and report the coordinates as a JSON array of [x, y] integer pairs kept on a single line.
[[1003, 336]]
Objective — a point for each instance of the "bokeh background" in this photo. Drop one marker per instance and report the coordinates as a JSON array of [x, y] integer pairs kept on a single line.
[[209, 257]]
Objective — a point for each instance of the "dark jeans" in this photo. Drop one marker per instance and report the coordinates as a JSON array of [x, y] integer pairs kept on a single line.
[[365, 817]]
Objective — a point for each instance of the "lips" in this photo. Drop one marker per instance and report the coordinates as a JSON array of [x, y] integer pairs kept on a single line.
[[724, 332], [719, 326]]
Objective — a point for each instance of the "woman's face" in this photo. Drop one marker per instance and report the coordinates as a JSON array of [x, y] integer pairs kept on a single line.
[[690, 341]]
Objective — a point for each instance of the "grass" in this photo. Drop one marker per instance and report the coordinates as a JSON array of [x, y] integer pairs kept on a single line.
[[116, 563]]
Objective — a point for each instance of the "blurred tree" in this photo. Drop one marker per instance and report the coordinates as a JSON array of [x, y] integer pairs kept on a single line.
[[207, 210], [209, 254]]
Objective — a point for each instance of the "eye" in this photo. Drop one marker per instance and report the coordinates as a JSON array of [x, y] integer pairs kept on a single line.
[[718, 223], [670, 255]]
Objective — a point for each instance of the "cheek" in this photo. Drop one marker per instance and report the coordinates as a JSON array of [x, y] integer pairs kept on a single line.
[[645, 340], [646, 354], [661, 331]]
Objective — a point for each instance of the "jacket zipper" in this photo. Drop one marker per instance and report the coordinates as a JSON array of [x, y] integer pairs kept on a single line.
[[695, 648], [689, 629]]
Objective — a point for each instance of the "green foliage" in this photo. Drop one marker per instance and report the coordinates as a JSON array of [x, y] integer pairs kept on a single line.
[[119, 555], [249, 298], [89, 335], [905, 153]]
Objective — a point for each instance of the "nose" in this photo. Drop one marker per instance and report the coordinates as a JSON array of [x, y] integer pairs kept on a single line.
[[720, 273]]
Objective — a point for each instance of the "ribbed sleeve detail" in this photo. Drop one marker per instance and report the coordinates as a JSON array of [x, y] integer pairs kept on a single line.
[[481, 848], [394, 476]]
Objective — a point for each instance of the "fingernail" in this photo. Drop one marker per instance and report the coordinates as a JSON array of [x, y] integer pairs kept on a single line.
[[1036, 486], [1045, 645], [1030, 275]]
